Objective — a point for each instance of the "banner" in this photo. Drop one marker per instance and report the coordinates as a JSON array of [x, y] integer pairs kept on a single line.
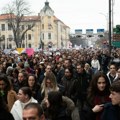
[[20, 50], [29, 51]]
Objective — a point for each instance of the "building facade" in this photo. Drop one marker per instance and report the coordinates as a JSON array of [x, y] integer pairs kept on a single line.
[[48, 31]]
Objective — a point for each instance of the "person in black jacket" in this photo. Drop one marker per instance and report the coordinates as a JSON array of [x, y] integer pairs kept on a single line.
[[82, 84], [112, 110], [4, 112], [97, 95], [57, 109]]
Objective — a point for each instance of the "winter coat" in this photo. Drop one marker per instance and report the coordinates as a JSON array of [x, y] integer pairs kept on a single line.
[[87, 113], [5, 115], [67, 112], [82, 85], [116, 77], [111, 112], [69, 87]]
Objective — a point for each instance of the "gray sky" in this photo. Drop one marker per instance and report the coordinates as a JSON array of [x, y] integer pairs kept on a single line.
[[78, 14]]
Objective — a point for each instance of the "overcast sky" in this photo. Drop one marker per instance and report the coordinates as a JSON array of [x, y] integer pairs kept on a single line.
[[78, 14]]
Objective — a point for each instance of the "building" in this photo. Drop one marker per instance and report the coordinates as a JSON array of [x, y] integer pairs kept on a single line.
[[48, 32], [89, 39]]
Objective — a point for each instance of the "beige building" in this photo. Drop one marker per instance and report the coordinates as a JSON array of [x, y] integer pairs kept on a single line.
[[48, 29]]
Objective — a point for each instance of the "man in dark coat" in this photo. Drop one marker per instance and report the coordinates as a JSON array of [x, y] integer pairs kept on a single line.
[[82, 84], [112, 110]]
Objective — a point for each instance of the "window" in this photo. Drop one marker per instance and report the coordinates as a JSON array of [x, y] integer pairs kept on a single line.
[[23, 27], [29, 45], [3, 36], [3, 27], [23, 45], [42, 26], [23, 37], [49, 17], [61, 29], [43, 36], [10, 46], [49, 26], [3, 46], [10, 37], [9, 26], [29, 26], [49, 35], [29, 36]]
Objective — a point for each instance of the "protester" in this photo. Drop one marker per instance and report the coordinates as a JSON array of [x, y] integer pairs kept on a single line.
[[112, 73], [24, 97], [112, 110], [68, 81], [33, 111], [49, 84], [4, 112], [66, 64], [82, 84], [33, 85], [95, 64], [21, 81], [56, 108], [6, 91], [98, 95]]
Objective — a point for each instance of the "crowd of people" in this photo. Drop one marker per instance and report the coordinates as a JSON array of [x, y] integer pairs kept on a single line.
[[64, 85]]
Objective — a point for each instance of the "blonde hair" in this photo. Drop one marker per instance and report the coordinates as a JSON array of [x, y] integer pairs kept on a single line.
[[49, 76]]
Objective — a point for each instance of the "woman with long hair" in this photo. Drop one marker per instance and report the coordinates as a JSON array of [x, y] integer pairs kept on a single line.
[[98, 95], [6, 91], [49, 84], [33, 85], [57, 108]]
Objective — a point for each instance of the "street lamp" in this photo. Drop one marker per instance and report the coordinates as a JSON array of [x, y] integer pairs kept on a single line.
[[110, 26]]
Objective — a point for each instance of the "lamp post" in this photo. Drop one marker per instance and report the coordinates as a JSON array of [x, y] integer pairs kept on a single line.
[[112, 4], [109, 26]]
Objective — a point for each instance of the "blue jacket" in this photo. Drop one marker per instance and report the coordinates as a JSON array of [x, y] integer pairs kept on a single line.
[[111, 112]]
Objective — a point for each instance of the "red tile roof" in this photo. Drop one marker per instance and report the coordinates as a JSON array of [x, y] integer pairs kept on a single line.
[[25, 18], [6, 16]]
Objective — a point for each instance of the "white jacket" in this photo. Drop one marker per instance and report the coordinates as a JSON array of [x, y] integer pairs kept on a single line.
[[17, 109], [95, 64]]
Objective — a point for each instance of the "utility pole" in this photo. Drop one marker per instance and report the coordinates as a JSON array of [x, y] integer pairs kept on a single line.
[[110, 27]]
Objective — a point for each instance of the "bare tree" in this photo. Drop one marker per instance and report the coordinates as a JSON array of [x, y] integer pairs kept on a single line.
[[18, 19]]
